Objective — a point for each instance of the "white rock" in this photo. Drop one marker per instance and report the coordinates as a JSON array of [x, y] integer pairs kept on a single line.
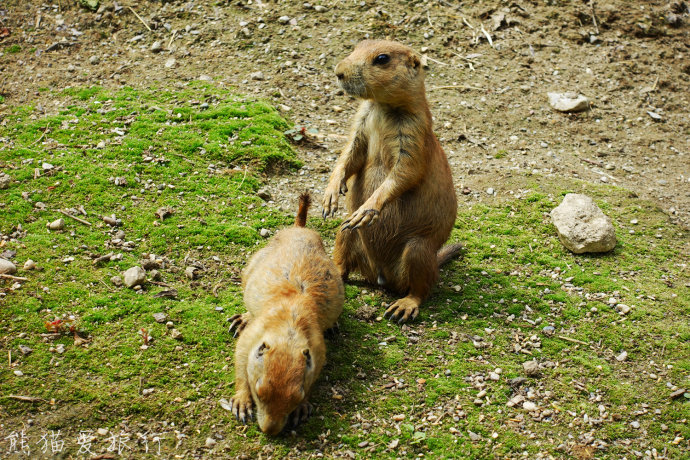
[[582, 226], [170, 62], [655, 116], [284, 19], [134, 276], [157, 46], [568, 102], [57, 224], [529, 406], [257, 75], [622, 357], [210, 442], [623, 309], [47, 166], [7, 267], [265, 233], [18, 373], [29, 264]]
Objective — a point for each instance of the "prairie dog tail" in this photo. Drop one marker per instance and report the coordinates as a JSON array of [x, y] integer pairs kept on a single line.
[[304, 202], [448, 252]]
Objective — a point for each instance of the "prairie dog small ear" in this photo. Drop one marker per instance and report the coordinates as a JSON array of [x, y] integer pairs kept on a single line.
[[415, 61]]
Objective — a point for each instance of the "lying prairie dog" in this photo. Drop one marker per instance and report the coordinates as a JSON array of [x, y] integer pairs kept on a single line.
[[293, 293], [395, 177]]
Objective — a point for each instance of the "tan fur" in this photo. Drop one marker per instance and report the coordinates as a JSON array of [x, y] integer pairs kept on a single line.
[[293, 293], [396, 178]]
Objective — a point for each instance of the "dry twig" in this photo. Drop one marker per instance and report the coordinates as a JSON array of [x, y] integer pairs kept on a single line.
[[568, 339], [10, 277], [78, 219], [139, 18]]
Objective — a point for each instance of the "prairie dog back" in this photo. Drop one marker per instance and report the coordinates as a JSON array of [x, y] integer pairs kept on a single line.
[[293, 293]]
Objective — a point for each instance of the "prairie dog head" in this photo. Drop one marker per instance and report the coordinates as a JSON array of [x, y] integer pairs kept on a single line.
[[382, 70], [281, 370]]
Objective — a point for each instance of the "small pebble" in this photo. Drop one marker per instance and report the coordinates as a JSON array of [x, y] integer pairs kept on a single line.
[[549, 330], [529, 406], [160, 317], [531, 368], [57, 224]]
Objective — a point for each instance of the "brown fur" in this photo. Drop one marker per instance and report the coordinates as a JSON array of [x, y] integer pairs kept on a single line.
[[293, 293], [396, 178]]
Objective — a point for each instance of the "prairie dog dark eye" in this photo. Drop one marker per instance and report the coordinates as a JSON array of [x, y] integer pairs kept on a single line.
[[382, 59], [307, 355]]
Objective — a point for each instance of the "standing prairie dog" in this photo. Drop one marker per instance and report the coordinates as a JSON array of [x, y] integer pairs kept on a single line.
[[293, 293], [395, 176]]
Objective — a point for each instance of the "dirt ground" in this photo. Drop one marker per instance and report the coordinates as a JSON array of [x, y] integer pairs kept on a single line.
[[629, 59]]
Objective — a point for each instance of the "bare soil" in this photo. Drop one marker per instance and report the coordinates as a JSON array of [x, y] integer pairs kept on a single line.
[[496, 127]]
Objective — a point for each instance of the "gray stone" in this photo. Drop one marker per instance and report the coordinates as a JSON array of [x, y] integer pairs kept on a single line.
[[134, 276], [175, 334], [257, 76], [192, 272], [582, 226], [7, 267], [622, 357], [157, 46], [264, 194], [29, 264], [116, 280], [568, 102], [531, 368], [25, 350], [160, 317], [5, 180]]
